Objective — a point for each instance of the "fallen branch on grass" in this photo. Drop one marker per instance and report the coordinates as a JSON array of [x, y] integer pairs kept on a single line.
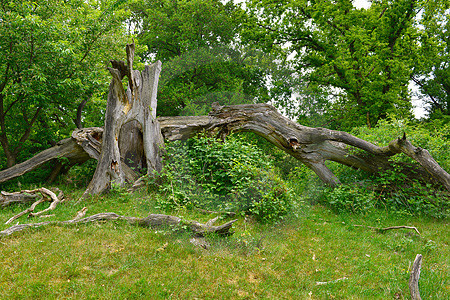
[[414, 278], [389, 228], [46, 195], [333, 281], [153, 220]]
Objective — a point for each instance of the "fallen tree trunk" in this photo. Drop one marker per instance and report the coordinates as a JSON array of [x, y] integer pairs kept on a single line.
[[312, 146], [153, 220]]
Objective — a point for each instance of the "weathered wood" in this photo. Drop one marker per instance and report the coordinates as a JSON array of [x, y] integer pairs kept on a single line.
[[46, 194], [152, 220], [138, 104], [414, 278], [15, 198]]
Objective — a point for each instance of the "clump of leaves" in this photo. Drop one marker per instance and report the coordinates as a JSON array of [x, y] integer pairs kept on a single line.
[[229, 176]]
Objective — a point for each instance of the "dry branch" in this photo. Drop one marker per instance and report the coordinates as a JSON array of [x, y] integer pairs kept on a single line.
[[389, 228], [153, 220], [333, 281], [46, 194], [414, 278]]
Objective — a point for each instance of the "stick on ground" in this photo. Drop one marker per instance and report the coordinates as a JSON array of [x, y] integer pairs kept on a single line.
[[389, 228]]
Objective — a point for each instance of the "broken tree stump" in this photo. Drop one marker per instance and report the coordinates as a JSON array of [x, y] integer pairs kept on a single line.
[[136, 104]]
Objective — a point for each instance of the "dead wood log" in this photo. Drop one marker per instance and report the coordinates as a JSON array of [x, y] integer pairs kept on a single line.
[[15, 198], [152, 220], [138, 104], [414, 278], [46, 195]]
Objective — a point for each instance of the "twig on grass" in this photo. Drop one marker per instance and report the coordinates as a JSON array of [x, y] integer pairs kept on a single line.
[[333, 281], [389, 228]]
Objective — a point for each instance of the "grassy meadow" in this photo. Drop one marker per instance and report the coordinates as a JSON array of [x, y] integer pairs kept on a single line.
[[282, 260]]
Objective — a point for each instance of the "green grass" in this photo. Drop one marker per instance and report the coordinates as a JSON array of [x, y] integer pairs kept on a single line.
[[114, 260]]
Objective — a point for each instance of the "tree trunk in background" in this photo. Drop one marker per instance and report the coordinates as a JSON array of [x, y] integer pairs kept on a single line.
[[138, 104]]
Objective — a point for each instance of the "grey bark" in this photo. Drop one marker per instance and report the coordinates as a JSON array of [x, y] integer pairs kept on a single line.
[[414, 278], [138, 104]]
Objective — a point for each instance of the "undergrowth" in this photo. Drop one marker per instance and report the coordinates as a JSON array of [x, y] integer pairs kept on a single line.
[[230, 176]]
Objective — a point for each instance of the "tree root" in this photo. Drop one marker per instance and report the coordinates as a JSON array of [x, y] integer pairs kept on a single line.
[[152, 220], [46, 195], [389, 228]]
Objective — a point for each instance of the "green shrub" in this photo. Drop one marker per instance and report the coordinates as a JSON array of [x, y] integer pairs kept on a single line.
[[226, 176]]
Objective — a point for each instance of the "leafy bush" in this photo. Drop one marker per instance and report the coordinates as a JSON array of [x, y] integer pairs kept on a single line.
[[227, 176]]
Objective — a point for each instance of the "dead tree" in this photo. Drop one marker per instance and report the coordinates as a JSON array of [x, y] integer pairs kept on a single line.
[[152, 221], [132, 137], [138, 105], [312, 146]]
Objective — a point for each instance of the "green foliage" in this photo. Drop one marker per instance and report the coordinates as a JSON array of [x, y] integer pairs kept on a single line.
[[226, 176], [81, 175], [52, 58], [356, 62], [350, 198], [431, 68], [203, 61]]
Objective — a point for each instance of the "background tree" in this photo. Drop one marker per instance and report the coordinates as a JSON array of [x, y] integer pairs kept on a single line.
[[432, 67], [204, 62], [52, 58], [364, 56]]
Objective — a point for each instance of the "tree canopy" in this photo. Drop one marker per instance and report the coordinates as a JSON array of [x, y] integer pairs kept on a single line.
[[366, 56], [204, 62], [52, 58]]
